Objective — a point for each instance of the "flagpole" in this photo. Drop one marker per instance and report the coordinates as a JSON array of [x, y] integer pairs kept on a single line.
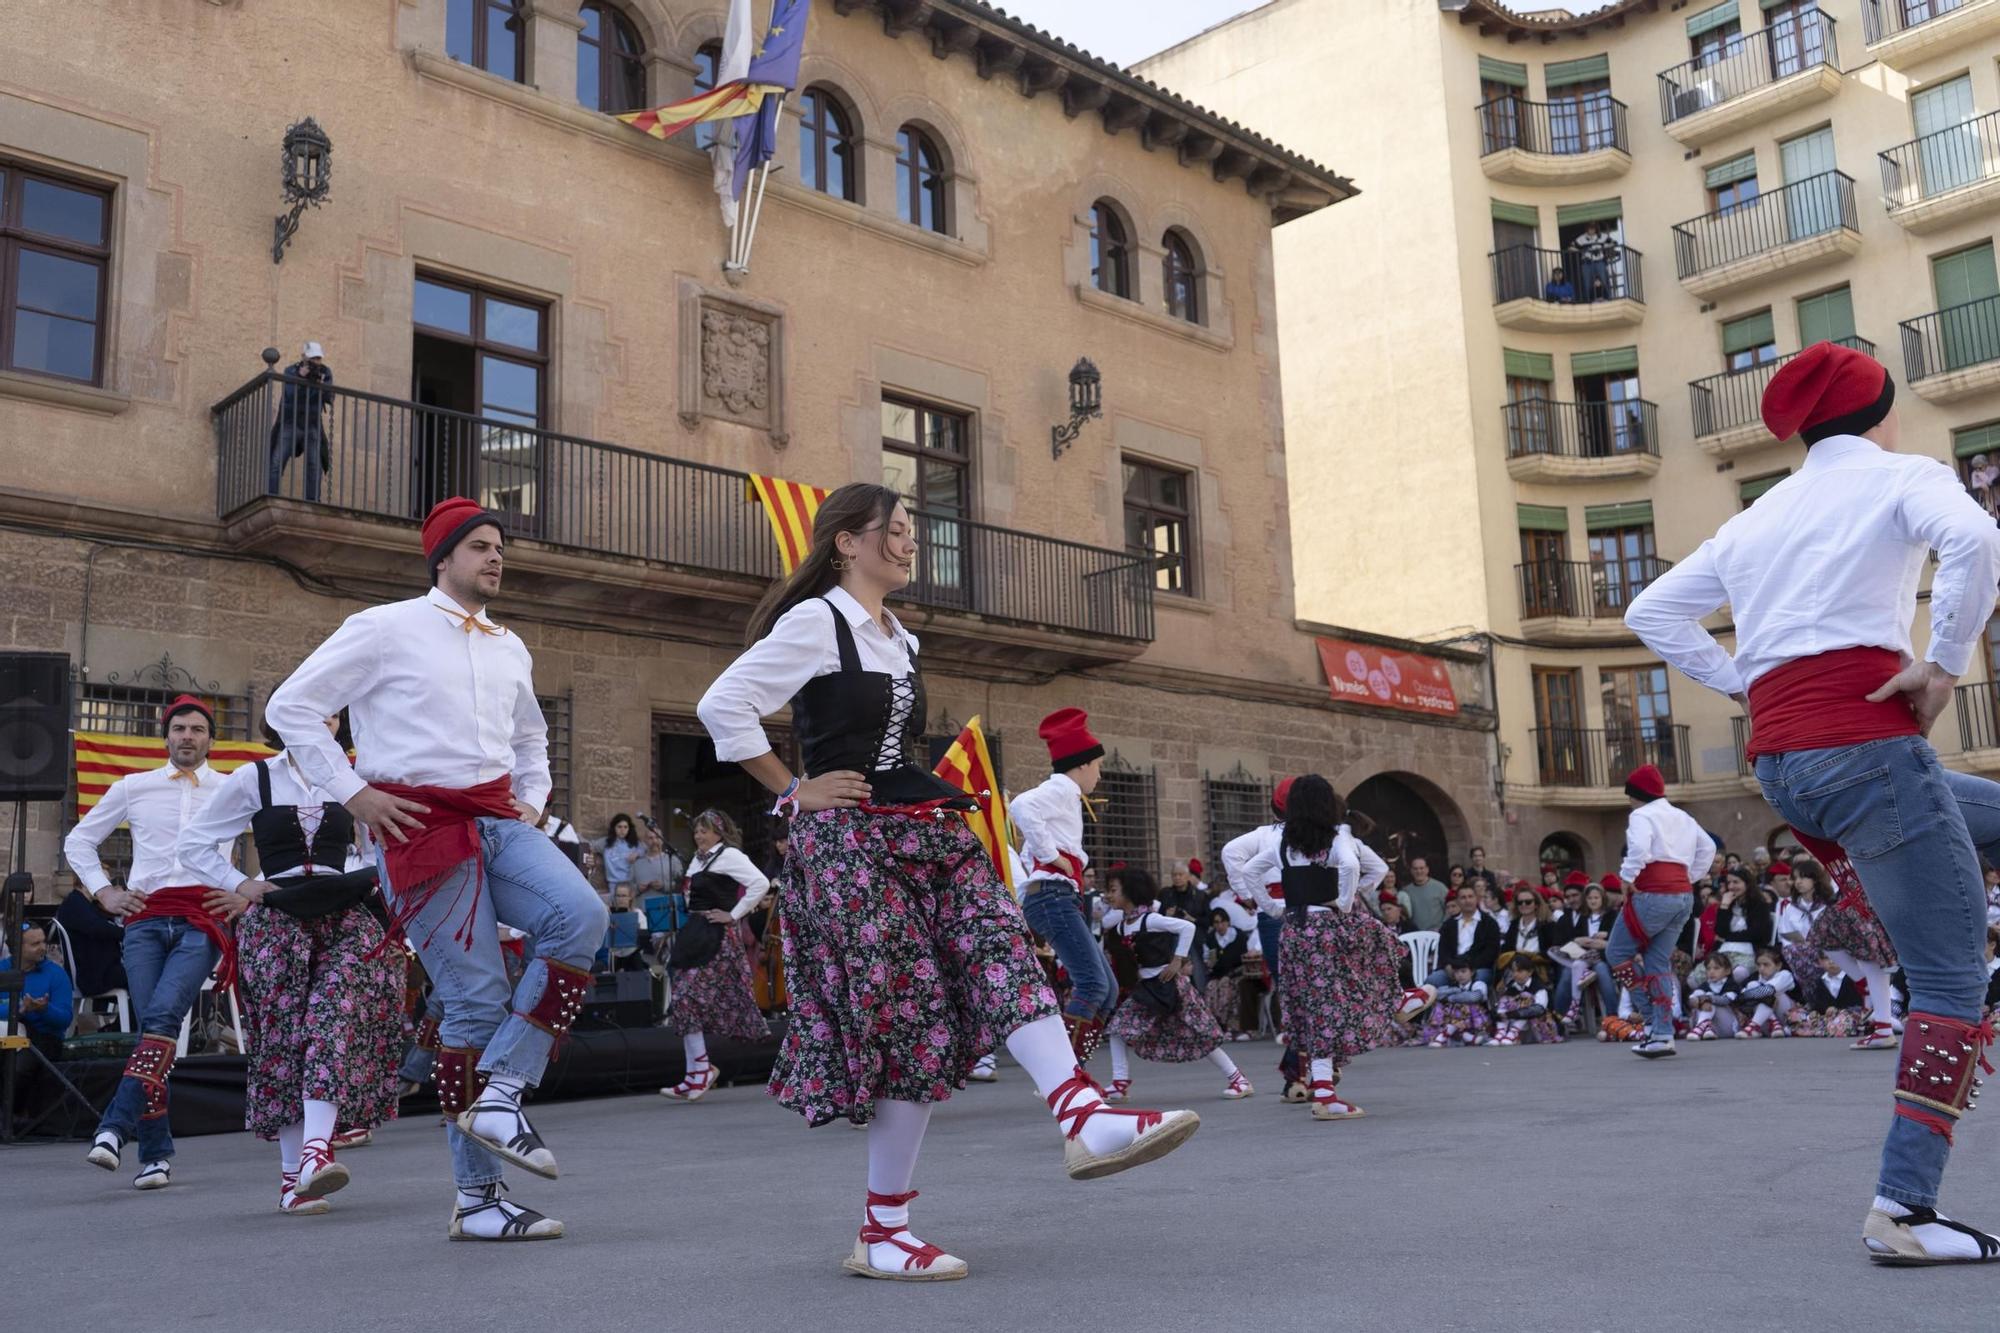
[[763, 181]]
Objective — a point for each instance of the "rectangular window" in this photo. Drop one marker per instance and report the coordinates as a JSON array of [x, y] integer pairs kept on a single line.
[[55, 256], [482, 354], [1157, 513], [927, 459], [555, 715], [1750, 341], [1503, 86], [1798, 36], [1731, 185], [1610, 413], [1977, 449], [1827, 317], [1545, 583], [1237, 803], [1622, 563], [489, 35], [1559, 738], [1127, 827], [1592, 239], [1638, 720]]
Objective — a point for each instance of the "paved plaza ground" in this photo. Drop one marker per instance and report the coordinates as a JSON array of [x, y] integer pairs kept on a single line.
[[1547, 1189]]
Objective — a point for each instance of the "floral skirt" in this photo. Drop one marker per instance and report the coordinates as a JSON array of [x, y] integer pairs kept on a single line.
[[1338, 984], [1834, 1023], [714, 999], [1451, 1020], [1224, 998], [907, 960], [1189, 1033], [1543, 1031], [323, 1019], [1840, 928]]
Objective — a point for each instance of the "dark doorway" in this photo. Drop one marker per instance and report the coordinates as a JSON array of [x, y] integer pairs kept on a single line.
[[442, 376], [1562, 852], [1404, 825], [688, 779]]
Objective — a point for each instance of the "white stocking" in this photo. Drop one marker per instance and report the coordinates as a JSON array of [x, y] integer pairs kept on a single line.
[[895, 1136], [1220, 1059], [291, 1139], [1042, 1048], [1322, 1070], [1121, 1059], [695, 1047], [319, 1118]]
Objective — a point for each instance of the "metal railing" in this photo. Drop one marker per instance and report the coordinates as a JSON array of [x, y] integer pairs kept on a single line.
[[1553, 129], [1739, 731], [1528, 271], [1735, 397], [1744, 64], [1951, 339], [1978, 715], [382, 457], [1581, 430], [1942, 161], [1886, 18], [1796, 212], [1584, 589], [1590, 757]]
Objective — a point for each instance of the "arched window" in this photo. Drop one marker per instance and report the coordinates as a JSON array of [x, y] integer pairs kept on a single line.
[[920, 180], [1110, 251], [826, 145], [707, 64], [489, 35], [610, 62], [1183, 278]]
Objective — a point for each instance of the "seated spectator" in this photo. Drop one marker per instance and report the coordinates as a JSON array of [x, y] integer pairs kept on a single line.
[[1222, 947], [97, 944], [1469, 937], [1571, 890], [1489, 903], [1559, 289], [1769, 997], [47, 1004], [1812, 894], [1832, 1005], [1594, 922], [1522, 1007], [1712, 999], [1614, 891], [1992, 896], [1460, 1014], [1454, 880], [1535, 933], [626, 936], [1743, 922], [1992, 969]]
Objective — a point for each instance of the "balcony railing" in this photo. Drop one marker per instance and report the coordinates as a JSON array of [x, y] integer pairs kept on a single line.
[[1583, 757], [1796, 212], [1552, 129], [1584, 589], [1938, 163], [393, 459], [1581, 430], [1735, 397], [1744, 64], [1886, 18], [1978, 715], [1526, 271], [1952, 339]]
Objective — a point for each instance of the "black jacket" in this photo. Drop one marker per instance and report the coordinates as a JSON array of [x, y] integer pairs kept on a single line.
[[1485, 950], [1820, 999]]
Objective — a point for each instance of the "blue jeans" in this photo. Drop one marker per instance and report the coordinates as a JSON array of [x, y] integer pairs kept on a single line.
[[418, 1062], [1914, 833], [166, 960], [1564, 991], [1661, 916], [532, 887], [1054, 914], [1270, 932]]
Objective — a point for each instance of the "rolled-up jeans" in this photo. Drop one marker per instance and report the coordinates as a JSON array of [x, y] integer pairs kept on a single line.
[[1661, 916], [1054, 913], [533, 887], [1914, 833], [166, 962]]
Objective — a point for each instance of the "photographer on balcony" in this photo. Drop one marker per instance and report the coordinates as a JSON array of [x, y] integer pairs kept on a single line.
[[300, 430]]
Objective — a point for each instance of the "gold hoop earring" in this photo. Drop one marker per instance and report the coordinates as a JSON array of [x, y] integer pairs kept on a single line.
[[840, 564]]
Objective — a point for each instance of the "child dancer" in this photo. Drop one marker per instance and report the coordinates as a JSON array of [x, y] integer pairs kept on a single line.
[[1522, 1006], [1163, 1019], [1833, 1005], [1460, 1013], [1769, 995], [1712, 1000]]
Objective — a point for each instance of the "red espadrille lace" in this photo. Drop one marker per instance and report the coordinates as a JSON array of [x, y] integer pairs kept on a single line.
[[1071, 1117], [876, 1233]]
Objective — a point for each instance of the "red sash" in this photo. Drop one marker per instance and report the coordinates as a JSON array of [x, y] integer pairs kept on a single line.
[[1063, 866], [185, 903], [1820, 702], [1663, 877], [1276, 889], [448, 839]]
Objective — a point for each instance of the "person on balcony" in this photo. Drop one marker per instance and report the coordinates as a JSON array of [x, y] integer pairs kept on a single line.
[[1821, 575], [301, 428], [1593, 254], [1559, 289]]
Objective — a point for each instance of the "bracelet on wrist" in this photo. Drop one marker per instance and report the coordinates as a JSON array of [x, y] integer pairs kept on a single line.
[[788, 803]]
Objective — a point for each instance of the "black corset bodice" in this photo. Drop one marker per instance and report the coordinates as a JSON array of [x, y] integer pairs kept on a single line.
[[1152, 948], [1309, 886], [282, 846]]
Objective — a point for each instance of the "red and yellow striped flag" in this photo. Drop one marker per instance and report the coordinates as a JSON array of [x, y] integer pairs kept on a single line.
[[790, 506], [725, 103], [968, 766], [103, 757]]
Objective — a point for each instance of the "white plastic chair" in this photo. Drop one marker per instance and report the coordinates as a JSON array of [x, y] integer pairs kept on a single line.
[[235, 1021], [120, 998], [1423, 946]]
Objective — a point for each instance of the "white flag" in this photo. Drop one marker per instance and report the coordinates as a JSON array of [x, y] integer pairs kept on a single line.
[[737, 44]]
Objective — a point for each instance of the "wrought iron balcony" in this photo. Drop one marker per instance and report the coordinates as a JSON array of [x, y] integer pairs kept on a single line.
[[1526, 272], [1584, 589], [1734, 399], [1946, 342], [390, 459], [1978, 707], [1819, 205], [1539, 428], [1884, 19], [1589, 757], [1568, 128], [1746, 63], [1953, 161]]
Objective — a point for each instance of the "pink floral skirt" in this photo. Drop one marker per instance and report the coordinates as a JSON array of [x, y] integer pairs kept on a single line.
[[1189, 1033], [715, 998], [1338, 984]]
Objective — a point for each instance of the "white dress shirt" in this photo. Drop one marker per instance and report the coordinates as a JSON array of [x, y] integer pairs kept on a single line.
[[730, 861], [1181, 929], [228, 813], [1050, 817], [1240, 917], [800, 646], [1657, 831], [432, 704], [1830, 558], [1250, 863], [158, 805]]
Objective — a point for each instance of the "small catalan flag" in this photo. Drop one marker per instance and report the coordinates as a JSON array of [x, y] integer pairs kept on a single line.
[[968, 766], [103, 757], [790, 506]]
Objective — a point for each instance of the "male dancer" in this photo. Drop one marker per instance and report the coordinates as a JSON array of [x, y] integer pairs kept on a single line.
[[1050, 818], [451, 772], [1664, 851], [1821, 575], [172, 939]]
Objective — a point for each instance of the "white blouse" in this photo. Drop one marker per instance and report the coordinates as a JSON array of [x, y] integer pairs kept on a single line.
[[1181, 930], [730, 861], [205, 840]]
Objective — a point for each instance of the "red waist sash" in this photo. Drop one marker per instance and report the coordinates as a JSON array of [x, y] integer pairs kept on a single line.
[[1663, 877], [1063, 866], [1820, 702], [185, 903], [448, 839], [1276, 889]]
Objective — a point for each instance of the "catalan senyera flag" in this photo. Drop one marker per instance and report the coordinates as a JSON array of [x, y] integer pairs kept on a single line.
[[103, 757], [790, 506], [968, 766], [733, 94]]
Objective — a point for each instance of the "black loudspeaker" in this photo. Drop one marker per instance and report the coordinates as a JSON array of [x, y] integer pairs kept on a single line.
[[34, 726]]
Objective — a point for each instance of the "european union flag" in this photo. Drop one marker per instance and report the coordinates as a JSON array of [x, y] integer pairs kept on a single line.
[[774, 69]]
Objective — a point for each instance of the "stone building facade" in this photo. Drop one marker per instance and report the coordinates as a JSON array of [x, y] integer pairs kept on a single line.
[[522, 299]]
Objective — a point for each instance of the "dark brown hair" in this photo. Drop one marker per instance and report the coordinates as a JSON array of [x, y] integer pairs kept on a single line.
[[853, 508]]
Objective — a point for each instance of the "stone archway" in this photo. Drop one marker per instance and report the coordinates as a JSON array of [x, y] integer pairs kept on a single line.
[[1409, 816], [1563, 850]]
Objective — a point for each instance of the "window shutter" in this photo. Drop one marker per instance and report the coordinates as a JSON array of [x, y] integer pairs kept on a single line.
[[1530, 365], [1610, 361], [1598, 210], [1828, 317], [1740, 168], [1587, 70], [1503, 71], [1541, 518], [1965, 443], [1634, 514], [1710, 19], [1740, 335], [1749, 490], [1526, 215]]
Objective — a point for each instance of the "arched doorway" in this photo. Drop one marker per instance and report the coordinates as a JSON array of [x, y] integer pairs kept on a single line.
[[1564, 851], [1407, 818]]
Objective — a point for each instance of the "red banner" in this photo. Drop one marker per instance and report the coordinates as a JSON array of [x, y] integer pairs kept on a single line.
[[1361, 673]]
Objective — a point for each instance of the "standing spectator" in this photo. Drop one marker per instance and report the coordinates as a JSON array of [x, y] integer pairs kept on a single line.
[[620, 846], [655, 871], [1423, 897], [1479, 869], [1760, 864], [300, 430], [1593, 253]]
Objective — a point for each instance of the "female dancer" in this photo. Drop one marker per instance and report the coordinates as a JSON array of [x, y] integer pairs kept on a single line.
[[322, 999], [906, 955], [1339, 985], [1164, 1018], [709, 972]]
